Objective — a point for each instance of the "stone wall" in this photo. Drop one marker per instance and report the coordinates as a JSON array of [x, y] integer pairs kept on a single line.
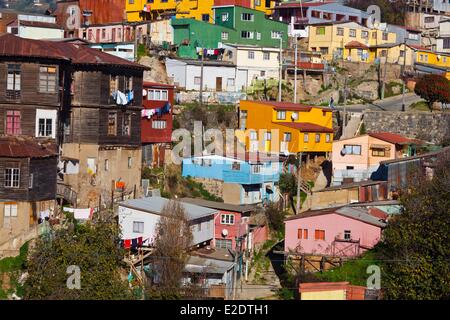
[[213, 186], [428, 126]]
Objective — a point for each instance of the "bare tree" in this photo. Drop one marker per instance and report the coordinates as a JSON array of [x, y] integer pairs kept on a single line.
[[174, 237]]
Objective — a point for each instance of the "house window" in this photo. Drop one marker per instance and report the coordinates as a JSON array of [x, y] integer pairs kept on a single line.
[[347, 235], [13, 80], [253, 135], [317, 137], [103, 33], [327, 137], [227, 219], [247, 34], [47, 79], [31, 181], [268, 136], [224, 243], [205, 17], [126, 125], [302, 234], [224, 36], [352, 149], [429, 19], [12, 178], [276, 35], [305, 137], [402, 53], [199, 227], [446, 43], [324, 50], [378, 152], [138, 227], [230, 82], [130, 162], [45, 127], [340, 31], [320, 30], [157, 95], [262, 73], [266, 55], [287, 136], [257, 3], [319, 235], [364, 34], [197, 80], [384, 53], [225, 16], [106, 165], [159, 124], [258, 36], [251, 54], [112, 127], [352, 33], [236, 166], [247, 16], [384, 36], [374, 35], [13, 125], [10, 209], [281, 115], [113, 84]]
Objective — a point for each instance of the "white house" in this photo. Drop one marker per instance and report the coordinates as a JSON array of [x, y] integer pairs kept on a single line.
[[139, 218], [33, 26], [218, 76], [443, 40], [161, 31], [252, 63], [124, 50]]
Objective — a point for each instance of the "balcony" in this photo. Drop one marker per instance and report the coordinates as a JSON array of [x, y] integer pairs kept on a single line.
[[245, 177], [65, 192]]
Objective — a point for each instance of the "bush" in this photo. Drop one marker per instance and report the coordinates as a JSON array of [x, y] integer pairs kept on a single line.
[[433, 88]]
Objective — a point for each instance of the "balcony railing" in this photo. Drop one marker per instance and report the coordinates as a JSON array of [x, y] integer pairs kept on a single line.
[[245, 177]]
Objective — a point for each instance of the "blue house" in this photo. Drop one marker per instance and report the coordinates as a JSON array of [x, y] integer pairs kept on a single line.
[[247, 181]]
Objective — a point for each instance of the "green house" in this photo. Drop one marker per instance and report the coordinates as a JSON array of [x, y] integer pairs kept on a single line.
[[233, 24], [250, 27]]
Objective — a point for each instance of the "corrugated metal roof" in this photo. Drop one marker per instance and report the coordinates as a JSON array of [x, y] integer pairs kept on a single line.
[[25, 147], [211, 266], [290, 106], [13, 46], [36, 24], [156, 204], [356, 45], [219, 205], [392, 138], [357, 213]]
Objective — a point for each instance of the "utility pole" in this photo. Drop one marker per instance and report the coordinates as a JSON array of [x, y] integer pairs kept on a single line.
[[201, 79], [299, 181], [345, 103], [403, 75], [281, 66], [236, 255], [383, 85], [295, 70]]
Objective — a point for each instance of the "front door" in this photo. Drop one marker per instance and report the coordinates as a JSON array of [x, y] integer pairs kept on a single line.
[[219, 84]]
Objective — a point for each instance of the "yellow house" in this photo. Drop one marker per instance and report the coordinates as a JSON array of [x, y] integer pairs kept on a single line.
[[392, 53], [285, 127], [350, 41], [433, 62], [139, 10]]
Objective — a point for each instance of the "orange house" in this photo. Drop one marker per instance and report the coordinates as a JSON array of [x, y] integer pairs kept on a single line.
[[284, 127]]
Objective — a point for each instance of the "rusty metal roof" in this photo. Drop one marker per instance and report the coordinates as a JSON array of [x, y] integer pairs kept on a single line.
[[13, 46], [26, 147], [305, 126]]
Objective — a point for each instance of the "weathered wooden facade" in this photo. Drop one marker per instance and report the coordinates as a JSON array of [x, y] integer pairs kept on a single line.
[[86, 102]]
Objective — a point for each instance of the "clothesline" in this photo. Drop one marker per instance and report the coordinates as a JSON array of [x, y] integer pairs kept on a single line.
[[123, 98], [209, 52], [148, 113], [133, 243]]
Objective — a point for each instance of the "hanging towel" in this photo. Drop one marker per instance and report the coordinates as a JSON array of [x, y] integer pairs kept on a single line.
[[134, 243], [82, 214], [139, 241], [127, 243], [121, 98]]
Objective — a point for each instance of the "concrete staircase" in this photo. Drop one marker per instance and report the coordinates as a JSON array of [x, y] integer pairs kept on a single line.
[[353, 125]]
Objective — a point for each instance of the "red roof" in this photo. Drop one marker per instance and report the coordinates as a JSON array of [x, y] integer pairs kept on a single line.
[[25, 147], [414, 46], [290, 106], [380, 214], [310, 65], [305, 126], [356, 45], [13, 46], [148, 84], [392, 138]]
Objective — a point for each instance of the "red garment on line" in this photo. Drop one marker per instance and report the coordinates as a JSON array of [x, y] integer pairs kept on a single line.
[[127, 244]]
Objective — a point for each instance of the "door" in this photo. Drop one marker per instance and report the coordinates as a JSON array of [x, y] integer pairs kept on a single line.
[[218, 84], [113, 35]]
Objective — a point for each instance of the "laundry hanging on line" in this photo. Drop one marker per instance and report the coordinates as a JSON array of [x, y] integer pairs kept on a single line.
[[148, 113], [132, 243]]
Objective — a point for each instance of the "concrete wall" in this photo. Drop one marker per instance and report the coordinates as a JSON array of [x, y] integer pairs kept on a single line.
[[333, 197], [429, 126]]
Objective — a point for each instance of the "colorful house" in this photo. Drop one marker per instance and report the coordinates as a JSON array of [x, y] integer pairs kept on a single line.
[[432, 62], [355, 159], [348, 40], [233, 25], [138, 10], [331, 291], [284, 127], [239, 181], [156, 122], [342, 232]]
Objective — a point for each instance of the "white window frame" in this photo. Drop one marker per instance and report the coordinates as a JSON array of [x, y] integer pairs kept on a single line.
[[10, 210], [138, 226], [266, 55], [251, 55], [227, 218], [224, 35], [46, 115], [225, 16], [158, 95], [15, 178], [281, 115], [159, 124]]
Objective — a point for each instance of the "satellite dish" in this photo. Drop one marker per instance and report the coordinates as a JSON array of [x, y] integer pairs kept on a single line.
[[343, 152], [144, 92], [374, 13], [224, 232], [294, 116]]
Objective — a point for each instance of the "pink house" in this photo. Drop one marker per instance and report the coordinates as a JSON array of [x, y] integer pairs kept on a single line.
[[231, 222], [340, 231], [355, 159], [114, 32]]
